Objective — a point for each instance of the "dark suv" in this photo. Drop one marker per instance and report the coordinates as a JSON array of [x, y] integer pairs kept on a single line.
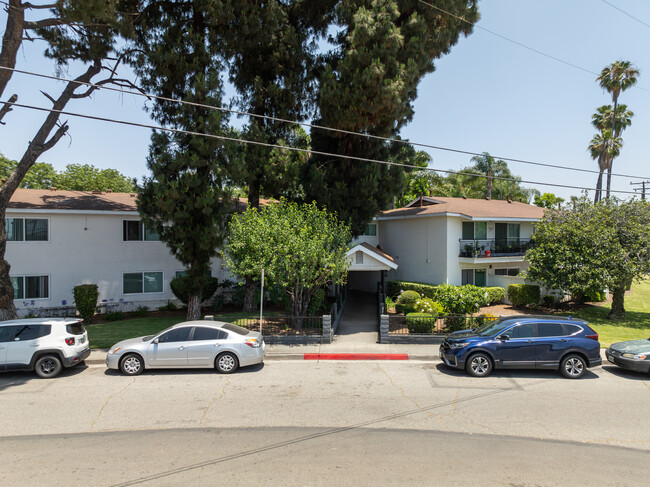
[[524, 342]]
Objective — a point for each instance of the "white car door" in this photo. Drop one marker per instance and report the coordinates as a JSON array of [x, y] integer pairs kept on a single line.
[[170, 349], [6, 334], [26, 341], [205, 345]]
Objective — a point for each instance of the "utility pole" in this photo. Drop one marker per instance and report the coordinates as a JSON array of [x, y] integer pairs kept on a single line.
[[642, 188]]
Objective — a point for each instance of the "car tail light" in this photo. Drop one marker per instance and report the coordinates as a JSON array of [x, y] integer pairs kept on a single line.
[[593, 337], [69, 341], [252, 342]]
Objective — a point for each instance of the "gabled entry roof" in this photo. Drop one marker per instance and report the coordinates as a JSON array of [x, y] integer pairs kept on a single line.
[[370, 259]]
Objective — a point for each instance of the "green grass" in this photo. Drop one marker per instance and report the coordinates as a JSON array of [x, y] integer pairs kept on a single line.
[[634, 326], [105, 335]]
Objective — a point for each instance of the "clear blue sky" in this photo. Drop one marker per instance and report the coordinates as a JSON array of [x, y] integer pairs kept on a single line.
[[487, 94]]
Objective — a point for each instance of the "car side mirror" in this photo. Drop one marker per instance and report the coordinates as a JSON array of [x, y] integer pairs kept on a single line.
[[156, 340], [504, 337]]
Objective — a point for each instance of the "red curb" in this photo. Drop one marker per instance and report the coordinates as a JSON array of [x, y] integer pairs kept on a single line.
[[356, 356]]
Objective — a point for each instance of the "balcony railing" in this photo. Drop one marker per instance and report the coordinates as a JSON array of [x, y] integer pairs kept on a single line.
[[494, 247]]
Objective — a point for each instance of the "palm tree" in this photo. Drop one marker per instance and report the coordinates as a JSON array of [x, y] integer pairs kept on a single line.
[[485, 164], [604, 148], [616, 78], [602, 119]]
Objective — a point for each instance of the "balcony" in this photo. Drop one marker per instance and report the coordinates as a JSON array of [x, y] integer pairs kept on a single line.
[[494, 247]]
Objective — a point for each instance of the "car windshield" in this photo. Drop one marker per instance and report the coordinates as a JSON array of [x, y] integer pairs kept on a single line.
[[494, 327]]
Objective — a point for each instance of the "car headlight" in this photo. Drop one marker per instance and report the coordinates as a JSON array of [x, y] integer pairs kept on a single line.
[[458, 345], [640, 356], [114, 350]]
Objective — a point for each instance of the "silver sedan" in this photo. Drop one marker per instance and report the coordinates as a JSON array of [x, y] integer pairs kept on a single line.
[[194, 344]]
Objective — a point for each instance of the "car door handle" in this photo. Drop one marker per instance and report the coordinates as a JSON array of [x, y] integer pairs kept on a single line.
[[181, 347], [563, 340]]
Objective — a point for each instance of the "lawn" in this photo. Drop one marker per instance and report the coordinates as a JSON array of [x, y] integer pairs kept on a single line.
[[635, 325], [105, 335]]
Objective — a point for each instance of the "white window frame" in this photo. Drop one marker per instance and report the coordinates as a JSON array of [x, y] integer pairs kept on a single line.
[[367, 226], [142, 228], [25, 276], [507, 269], [24, 231], [143, 292]]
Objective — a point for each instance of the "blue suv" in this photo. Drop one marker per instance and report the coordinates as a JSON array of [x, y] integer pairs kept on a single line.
[[524, 342]]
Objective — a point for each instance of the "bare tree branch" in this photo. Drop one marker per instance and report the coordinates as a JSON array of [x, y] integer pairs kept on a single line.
[[48, 97], [60, 132], [6, 108], [36, 7], [38, 24]]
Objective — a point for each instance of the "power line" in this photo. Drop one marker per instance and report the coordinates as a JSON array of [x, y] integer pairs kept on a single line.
[[536, 51], [625, 13], [312, 126], [297, 149]]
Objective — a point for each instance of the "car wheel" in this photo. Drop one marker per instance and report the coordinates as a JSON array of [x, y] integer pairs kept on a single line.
[[226, 363], [573, 366], [132, 364], [479, 365], [48, 366]]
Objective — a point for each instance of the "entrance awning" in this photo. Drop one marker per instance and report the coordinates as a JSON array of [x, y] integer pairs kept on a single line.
[[365, 257]]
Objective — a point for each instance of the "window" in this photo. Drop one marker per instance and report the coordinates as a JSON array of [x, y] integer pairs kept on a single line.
[[27, 229], [237, 329], [31, 287], [371, 230], [202, 333], [550, 330], [134, 230], [142, 282], [175, 335], [477, 277], [525, 330], [474, 230], [358, 257], [467, 276], [571, 329], [506, 272], [32, 332], [7, 333]]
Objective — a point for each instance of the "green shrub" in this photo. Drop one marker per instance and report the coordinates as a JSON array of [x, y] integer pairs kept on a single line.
[[456, 323], [548, 300], [461, 299], [406, 302], [168, 307], [140, 311], [495, 295], [316, 303], [85, 300], [423, 289], [389, 303], [523, 294], [114, 316], [421, 322], [182, 286], [426, 305]]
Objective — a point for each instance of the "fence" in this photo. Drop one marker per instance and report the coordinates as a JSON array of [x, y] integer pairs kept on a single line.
[[284, 325], [423, 329]]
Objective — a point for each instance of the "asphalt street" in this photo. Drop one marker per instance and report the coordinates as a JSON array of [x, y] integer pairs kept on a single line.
[[315, 423]]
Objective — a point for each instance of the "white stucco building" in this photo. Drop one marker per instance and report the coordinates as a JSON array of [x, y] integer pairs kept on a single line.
[[59, 239]]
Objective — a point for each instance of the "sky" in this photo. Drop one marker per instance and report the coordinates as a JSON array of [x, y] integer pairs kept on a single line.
[[487, 94]]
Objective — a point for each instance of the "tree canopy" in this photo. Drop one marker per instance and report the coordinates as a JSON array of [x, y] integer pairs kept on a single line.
[[586, 247], [75, 177], [300, 247]]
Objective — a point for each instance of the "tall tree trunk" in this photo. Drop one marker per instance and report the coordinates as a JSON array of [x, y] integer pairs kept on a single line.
[[194, 308], [41, 143], [618, 299], [249, 295], [611, 162], [11, 40], [599, 187]]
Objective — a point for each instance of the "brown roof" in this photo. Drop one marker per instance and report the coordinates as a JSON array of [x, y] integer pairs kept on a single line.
[[471, 208], [47, 199], [376, 251]]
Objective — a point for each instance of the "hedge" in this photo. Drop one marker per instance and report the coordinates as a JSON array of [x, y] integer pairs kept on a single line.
[[406, 302], [523, 294], [421, 322], [495, 295], [425, 290]]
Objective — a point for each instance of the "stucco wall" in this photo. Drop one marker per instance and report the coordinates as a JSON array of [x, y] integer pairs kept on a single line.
[[89, 249], [419, 246]]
